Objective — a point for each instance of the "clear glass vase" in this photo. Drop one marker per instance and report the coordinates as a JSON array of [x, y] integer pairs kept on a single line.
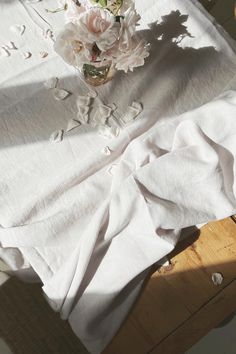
[[98, 73]]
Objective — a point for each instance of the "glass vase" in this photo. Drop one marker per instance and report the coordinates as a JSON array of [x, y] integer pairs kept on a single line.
[[98, 73]]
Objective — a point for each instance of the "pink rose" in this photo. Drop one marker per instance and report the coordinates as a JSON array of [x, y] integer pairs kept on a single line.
[[69, 46], [98, 25], [133, 57]]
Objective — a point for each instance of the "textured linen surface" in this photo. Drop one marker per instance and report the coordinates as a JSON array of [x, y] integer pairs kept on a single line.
[[91, 224]]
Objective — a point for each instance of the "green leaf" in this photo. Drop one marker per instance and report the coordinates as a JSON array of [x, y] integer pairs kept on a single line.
[[114, 7], [102, 3]]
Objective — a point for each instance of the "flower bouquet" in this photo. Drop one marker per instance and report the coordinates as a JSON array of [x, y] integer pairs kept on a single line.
[[100, 37]]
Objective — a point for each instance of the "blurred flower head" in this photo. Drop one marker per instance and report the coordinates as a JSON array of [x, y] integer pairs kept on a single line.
[[101, 31]]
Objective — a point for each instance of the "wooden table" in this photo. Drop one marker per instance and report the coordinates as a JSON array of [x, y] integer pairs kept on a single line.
[[180, 304]]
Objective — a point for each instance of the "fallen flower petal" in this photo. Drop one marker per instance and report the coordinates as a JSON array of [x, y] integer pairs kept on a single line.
[[51, 83], [18, 29], [60, 94], [107, 151], [217, 278], [72, 124], [57, 136], [27, 55], [43, 54]]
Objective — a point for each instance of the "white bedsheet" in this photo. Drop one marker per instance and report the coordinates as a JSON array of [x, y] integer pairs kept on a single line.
[[92, 224]]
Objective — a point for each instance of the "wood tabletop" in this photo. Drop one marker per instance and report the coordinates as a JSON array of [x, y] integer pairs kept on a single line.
[[180, 303]]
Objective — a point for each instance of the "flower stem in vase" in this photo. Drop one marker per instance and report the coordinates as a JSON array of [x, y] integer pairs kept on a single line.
[[98, 75]]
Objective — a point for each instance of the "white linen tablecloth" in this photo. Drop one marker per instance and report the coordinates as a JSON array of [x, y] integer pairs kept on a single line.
[[92, 224]]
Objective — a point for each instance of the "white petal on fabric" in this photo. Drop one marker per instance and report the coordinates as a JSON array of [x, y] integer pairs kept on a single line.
[[83, 101], [26, 55], [48, 34], [115, 131], [132, 112], [43, 54], [72, 124], [108, 132], [107, 151], [101, 115], [10, 46], [18, 29], [60, 94], [51, 83], [57, 136], [82, 114], [137, 105]]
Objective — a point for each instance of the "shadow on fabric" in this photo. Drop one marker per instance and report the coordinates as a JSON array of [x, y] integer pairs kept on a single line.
[[29, 326], [174, 79]]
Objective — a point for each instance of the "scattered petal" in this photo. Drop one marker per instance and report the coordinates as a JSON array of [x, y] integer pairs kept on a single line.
[[27, 55], [48, 33], [108, 132], [137, 105], [82, 114], [132, 112], [72, 124], [60, 94], [83, 101], [107, 151], [18, 29], [217, 278], [57, 136], [101, 115], [43, 54], [4, 52], [51, 83], [10, 46]]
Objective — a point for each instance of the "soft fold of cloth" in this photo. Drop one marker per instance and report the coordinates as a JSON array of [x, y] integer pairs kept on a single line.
[[91, 224]]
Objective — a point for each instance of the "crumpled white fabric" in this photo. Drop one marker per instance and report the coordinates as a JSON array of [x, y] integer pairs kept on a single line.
[[176, 175], [89, 234]]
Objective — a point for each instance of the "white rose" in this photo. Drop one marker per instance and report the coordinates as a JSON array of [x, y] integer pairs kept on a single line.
[[69, 46], [133, 57], [98, 26], [128, 28]]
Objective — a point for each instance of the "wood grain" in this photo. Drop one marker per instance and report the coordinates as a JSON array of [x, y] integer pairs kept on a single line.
[[174, 294], [222, 305]]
